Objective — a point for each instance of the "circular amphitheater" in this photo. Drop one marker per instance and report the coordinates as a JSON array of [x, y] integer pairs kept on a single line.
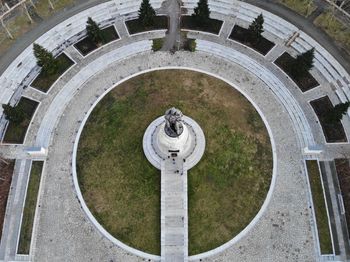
[[284, 228]]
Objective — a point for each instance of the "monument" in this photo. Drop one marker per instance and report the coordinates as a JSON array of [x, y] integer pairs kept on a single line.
[[174, 135], [174, 143]]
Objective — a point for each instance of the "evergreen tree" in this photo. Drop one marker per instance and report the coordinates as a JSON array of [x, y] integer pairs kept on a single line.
[[338, 111], [306, 59], [45, 59], [93, 31], [303, 63], [201, 12], [256, 28], [146, 13], [14, 114]]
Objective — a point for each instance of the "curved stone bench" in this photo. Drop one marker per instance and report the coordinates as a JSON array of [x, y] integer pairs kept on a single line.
[[22, 71], [325, 63], [285, 97]]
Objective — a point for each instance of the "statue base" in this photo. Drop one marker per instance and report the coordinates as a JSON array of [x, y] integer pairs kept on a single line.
[[189, 145]]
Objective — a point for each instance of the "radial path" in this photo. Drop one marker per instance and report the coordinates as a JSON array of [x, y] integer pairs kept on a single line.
[[174, 222], [173, 10]]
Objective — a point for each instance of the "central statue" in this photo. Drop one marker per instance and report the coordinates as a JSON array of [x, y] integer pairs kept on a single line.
[[173, 122]]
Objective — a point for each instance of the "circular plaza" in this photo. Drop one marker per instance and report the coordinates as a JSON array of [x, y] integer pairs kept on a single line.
[[261, 133]]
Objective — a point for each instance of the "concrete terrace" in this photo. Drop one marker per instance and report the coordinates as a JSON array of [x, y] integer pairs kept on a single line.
[[284, 229]]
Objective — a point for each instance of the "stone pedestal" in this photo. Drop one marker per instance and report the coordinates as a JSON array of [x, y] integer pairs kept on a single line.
[[189, 146]]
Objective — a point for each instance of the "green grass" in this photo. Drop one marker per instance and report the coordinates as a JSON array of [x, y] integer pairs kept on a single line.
[[336, 29], [29, 208], [15, 133], [226, 189], [320, 207], [43, 81], [302, 7]]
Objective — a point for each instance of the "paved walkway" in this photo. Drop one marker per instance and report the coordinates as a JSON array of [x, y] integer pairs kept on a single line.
[[173, 10], [174, 219]]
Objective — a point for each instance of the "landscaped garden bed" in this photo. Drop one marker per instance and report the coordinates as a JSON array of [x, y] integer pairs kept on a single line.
[[343, 170], [6, 168], [333, 131], [30, 207], [15, 132], [318, 199], [86, 45], [212, 26], [122, 189], [136, 26], [241, 35], [305, 82], [44, 81]]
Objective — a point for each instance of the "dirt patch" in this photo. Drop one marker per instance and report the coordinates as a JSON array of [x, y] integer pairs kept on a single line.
[[343, 170], [6, 172], [334, 131], [240, 34]]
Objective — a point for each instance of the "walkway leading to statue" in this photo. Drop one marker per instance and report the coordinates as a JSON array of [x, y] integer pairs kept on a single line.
[[174, 220]]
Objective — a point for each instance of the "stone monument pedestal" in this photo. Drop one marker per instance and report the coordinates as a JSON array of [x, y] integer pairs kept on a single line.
[[189, 146]]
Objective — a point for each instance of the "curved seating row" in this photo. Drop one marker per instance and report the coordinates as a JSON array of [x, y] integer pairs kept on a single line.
[[296, 113], [23, 69]]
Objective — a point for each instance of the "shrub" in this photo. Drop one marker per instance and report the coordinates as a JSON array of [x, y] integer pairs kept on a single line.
[[157, 44], [14, 114], [192, 45]]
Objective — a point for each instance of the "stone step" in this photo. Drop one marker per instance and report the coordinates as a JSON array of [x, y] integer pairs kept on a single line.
[[173, 240], [174, 221]]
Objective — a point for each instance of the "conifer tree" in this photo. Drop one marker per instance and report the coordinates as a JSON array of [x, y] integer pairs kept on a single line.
[[303, 63], [14, 114], [256, 28], [93, 31], [146, 13], [306, 59], [45, 59], [201, 12], [338, 111]]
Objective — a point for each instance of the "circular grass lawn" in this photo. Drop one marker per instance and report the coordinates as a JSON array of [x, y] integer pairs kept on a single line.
[[227, 187]]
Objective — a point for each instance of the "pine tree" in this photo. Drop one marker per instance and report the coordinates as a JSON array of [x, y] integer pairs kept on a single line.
[[201, 12], [146, 13], [93, 31], [256, 28], [306, 59], [45, 59], [338, 111], [303, 63], [14, 114]]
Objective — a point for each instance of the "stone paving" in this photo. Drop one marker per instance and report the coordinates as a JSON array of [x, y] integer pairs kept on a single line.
[[283, 230], [56, 202], [174, 215]]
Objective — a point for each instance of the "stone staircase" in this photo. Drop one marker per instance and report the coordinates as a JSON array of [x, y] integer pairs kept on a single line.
[[174, 220]]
